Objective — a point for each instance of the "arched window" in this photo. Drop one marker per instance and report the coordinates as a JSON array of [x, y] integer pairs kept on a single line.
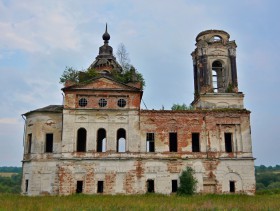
[[101, 140], [217, 76], [215, 38], [121, 136], [81, 140]]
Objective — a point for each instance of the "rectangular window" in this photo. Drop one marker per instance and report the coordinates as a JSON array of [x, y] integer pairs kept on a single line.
[[29, 142], [26, 185], [195, 142], [174, 186], [173, 142], [150, 138], [79, 187], [231, 186], [49, 142], [100, 186], [228, 142], [150, 186]]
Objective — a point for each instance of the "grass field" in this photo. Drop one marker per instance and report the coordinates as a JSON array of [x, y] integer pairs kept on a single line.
[[6, 174], [140, 202]]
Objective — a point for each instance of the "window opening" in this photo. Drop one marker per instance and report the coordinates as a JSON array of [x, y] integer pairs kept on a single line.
[[150, 186], [121, 103], [173, 142], [100, 186], [195, 142], [101, 140], [214, 81], [215, 39], [150, 138], [29, 142], [217, 76], [121, 136], [26, 185], [79, 187], [83, 102], [49, 142], [81, 140], [174, 186], [228, 142], [102, 102], [231, 186]]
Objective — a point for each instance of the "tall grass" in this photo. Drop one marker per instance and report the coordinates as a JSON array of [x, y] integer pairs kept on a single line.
[[140, 202]]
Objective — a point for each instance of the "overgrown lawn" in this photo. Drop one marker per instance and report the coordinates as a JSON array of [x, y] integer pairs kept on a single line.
[[140, 202]]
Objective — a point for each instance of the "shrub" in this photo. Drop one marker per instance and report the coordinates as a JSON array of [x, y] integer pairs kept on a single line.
[[127, 76], [187, 182]]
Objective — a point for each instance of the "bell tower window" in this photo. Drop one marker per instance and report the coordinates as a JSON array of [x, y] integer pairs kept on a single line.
[[215, 38], [217, 76]]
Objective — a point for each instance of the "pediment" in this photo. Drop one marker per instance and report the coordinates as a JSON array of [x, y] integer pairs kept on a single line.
[[103, 83]]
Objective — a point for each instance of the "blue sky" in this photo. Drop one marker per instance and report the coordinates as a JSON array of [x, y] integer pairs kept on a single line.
[[39, 38]]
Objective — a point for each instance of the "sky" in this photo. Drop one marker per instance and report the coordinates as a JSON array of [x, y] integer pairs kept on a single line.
[[39, 38]]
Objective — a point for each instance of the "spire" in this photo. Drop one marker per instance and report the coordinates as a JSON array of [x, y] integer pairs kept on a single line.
[[105, 60], [106, 36]]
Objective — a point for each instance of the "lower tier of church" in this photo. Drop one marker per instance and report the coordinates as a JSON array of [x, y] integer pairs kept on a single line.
[[136, 175]]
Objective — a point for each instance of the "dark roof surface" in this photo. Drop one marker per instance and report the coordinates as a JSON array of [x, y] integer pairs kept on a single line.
[[50, 108]]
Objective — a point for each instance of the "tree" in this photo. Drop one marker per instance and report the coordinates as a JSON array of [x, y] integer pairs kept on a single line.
[[187, 182], [274, 185], [123, 57], [177, 107], [69, 74]]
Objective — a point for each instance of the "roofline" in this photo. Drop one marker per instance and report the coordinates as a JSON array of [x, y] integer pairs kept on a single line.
[[95, 78], [211, 31], [218, 110], [43, 111]]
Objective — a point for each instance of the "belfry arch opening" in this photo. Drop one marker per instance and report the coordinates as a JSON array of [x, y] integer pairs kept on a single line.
[[101, 140], [121, 139], [217, 76], [215, 38]]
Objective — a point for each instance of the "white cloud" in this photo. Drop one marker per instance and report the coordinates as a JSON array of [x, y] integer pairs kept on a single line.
[[39, 38], [40, 28], [9, 121]]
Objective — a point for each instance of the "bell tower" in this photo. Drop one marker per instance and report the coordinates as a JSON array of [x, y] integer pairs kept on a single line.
[[215, 72]]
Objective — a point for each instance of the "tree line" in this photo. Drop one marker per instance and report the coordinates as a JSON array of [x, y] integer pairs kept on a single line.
[[10, 184], [267, 178]]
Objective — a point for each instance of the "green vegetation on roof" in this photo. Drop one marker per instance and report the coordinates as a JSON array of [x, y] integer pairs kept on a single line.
[[76, 76]]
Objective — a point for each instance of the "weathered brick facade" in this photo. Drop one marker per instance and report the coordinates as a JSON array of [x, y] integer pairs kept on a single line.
[[100, 141]]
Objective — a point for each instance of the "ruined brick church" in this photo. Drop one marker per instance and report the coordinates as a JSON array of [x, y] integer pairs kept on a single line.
[[101, 141]]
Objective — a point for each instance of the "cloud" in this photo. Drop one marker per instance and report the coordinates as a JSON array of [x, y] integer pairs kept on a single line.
[[9, 121], [39, 38], [41, 26]]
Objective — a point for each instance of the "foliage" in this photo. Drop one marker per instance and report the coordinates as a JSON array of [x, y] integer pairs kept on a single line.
[[140, 202], [131, 75], [10, 169], [70, 74], [177, 107], [229, 89], [187, 182], [267, 178], [87, 75], [10, 184]]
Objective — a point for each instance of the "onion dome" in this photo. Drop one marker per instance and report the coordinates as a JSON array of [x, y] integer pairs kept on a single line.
[[106, 36]]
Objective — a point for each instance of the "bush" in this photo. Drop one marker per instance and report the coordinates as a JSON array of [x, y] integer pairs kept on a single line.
[[127, 76], [187, 182]]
